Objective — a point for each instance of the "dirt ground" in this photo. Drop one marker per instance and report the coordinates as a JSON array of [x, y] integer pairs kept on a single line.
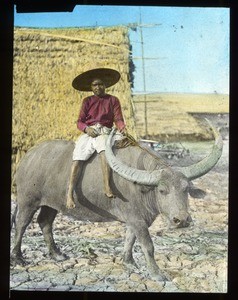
[[194, 258]]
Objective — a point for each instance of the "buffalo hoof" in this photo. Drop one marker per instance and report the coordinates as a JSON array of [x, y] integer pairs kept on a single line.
[[159, 276], [130, 264], [17, 260], [58, 256]]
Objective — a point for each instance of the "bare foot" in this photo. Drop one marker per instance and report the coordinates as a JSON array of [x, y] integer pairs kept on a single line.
[[109, 194], [70, 203]]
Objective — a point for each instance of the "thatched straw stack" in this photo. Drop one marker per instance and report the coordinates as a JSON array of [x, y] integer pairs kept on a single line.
[[45, 106]]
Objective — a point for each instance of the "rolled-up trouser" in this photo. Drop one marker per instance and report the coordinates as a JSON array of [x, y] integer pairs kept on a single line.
[[86, 145]]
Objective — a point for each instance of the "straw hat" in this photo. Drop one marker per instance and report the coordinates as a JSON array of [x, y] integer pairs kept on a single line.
[[83, 81]]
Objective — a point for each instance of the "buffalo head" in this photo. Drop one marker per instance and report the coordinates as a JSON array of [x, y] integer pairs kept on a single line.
[[172, 184]]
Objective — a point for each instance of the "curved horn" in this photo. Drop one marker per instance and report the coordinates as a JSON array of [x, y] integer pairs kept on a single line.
[[204, 166], [129, 173]]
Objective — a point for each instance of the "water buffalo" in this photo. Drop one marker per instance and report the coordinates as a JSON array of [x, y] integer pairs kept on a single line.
[[144, 187]]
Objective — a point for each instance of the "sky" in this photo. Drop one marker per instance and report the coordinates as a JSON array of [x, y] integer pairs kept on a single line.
[[186, 49]]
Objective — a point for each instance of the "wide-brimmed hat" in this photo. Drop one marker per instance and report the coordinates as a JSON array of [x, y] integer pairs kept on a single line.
[[83, 81]]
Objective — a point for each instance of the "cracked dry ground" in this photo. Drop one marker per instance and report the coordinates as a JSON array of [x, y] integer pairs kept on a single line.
[[195, 258]]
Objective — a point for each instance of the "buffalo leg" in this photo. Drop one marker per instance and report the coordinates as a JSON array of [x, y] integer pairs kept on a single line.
[[146, 243], [23, 218], [45, 219], [129, 243]]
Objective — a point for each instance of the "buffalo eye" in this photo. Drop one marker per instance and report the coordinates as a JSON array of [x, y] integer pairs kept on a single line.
[[163, 191], [163, 188]]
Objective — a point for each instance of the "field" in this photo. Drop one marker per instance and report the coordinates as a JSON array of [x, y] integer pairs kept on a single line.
[[170, 117]]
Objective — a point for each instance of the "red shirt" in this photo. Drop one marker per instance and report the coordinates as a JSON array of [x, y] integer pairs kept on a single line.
[[104, 110]]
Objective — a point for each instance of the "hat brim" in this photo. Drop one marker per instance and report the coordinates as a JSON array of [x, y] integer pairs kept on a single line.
[[83, 81]]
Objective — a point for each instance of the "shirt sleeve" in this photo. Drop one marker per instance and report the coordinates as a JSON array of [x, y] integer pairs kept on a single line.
[[118, 117], [81, 125]]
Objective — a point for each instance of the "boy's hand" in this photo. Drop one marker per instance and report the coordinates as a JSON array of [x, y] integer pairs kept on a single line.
[[123, 131], [91, 132]]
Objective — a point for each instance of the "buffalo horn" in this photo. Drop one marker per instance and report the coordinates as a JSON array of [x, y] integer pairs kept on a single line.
[[205, 165], [129, 173]]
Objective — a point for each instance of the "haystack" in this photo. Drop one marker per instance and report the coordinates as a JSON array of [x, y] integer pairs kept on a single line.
[[45, 106]]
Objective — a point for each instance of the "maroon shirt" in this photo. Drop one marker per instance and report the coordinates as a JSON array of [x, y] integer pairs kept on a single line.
[[104, 110]]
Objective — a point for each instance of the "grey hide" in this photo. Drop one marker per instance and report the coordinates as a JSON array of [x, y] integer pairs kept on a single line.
[[42, 180]]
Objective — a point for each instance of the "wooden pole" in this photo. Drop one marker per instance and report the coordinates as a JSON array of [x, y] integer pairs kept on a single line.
[[144, 79]]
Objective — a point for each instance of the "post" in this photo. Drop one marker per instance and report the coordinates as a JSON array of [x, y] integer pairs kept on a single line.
[[144, 79]]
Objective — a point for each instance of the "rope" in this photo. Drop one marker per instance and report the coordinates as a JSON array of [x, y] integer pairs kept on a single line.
[[133, 142]]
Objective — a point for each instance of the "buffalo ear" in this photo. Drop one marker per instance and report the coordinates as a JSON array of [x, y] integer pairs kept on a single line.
[[196, 192]]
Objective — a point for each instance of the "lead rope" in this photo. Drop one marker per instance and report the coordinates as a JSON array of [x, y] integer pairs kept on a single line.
[[129, 140], [133, 142]]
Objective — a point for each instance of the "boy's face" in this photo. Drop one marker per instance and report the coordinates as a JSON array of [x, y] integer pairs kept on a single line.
[[98, 87]]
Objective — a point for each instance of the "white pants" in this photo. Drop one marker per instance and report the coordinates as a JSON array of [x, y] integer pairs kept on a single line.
[[86, 145]]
